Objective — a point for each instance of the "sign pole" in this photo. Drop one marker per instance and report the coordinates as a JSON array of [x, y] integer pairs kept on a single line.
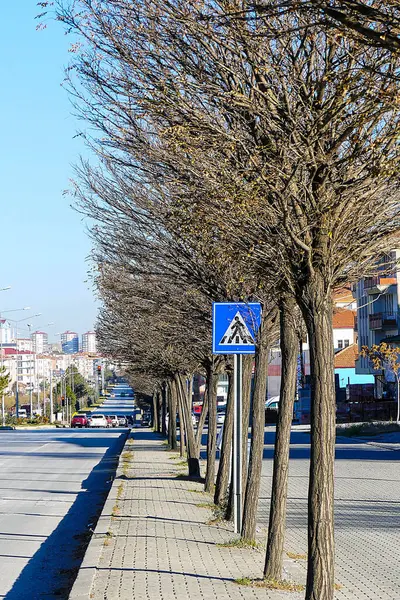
[[237, 443]]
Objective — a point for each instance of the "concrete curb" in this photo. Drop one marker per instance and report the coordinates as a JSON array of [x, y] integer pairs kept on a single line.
[[84, 581]]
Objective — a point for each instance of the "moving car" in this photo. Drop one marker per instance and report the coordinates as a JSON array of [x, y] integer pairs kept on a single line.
[[79, 421], [97, 420]]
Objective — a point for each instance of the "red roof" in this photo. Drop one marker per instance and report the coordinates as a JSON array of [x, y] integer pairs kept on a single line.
[[346, 358], [343, 318], [15, 351]]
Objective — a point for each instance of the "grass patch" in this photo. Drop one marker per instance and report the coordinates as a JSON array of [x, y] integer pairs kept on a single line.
[[243, 581], [115, 511], [240, 543], [296, 556], [367, 429], [120, 490], [197, 491], [271, 584], [210, 505]]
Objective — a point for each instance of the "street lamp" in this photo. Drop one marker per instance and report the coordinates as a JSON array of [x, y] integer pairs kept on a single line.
[[3, 412], [44, 378], [16, 340]]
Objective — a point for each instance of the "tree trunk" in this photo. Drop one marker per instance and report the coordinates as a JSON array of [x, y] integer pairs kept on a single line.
[[155, 411], [192, 454], [212, 381], [222, 483], [247, 376], [201, 423], [164, 409], [277, 513], [229, 508], [257, 437], [182, 445], [316, 305], [172, 416], [169, 418]]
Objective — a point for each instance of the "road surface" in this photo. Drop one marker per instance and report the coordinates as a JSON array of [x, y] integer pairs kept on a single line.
[[367, 512], [53, 485]]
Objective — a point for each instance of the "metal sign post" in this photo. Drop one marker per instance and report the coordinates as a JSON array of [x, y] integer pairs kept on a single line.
[[237, 443], [235, 325]]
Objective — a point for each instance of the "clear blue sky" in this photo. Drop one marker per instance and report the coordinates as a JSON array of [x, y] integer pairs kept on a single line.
[[44, 246]]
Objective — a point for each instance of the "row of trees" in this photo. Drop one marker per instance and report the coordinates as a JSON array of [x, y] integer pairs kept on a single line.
[[247, 151]]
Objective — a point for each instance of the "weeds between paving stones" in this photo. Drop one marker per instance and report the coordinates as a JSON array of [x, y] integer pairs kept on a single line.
[[241, 543], [120, 490], [198, 492], [271, 584], [296, 556], [210, 505]]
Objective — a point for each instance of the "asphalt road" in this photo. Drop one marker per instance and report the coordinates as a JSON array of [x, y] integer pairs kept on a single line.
[[53, 486], [367, 512]]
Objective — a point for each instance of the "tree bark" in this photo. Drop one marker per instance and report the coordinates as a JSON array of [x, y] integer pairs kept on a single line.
[[172, 416], [212, 381], [182, 445], [201, 423], [164, 409], [247, 376], [316, 306], [257, 438], [277, 513], [155, 411], [192, 454], [223, 475]]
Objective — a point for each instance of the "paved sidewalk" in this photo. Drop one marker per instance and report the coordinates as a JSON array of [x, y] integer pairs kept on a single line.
[[153, 541]]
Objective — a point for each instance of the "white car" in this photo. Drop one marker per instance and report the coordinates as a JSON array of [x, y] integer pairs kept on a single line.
[[221, 411], [98, 421]]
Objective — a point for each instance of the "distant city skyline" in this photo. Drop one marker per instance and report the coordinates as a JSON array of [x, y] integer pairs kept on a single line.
[[43, 241]]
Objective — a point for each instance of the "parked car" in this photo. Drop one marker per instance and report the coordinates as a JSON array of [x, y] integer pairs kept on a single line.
[[122, 422], [271, 409], [145, 422], [79, 421], [97, 420], [109, 421], [114, 420], [221, 412]]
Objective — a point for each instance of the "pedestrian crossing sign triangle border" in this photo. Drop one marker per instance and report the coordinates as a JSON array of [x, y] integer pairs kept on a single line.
[[235, 326]]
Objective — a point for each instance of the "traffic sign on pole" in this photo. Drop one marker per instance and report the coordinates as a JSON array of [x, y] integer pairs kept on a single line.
[[235, 326]]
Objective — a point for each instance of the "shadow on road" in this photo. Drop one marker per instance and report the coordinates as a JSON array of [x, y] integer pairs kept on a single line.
[[51, 571]]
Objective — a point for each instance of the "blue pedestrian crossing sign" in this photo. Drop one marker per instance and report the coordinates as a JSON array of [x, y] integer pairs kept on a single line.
[[235, 326]]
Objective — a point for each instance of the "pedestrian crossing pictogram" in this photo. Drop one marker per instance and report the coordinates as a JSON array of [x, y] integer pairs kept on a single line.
[[237, 332]]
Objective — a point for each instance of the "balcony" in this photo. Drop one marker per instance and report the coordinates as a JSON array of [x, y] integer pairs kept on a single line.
[[376, 285], [383, 321]]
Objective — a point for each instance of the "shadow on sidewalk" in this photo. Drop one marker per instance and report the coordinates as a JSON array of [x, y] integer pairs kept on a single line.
[[164, 572]]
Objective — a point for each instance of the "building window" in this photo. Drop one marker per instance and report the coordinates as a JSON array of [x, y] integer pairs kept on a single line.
[[340, 344], [346, 343]]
